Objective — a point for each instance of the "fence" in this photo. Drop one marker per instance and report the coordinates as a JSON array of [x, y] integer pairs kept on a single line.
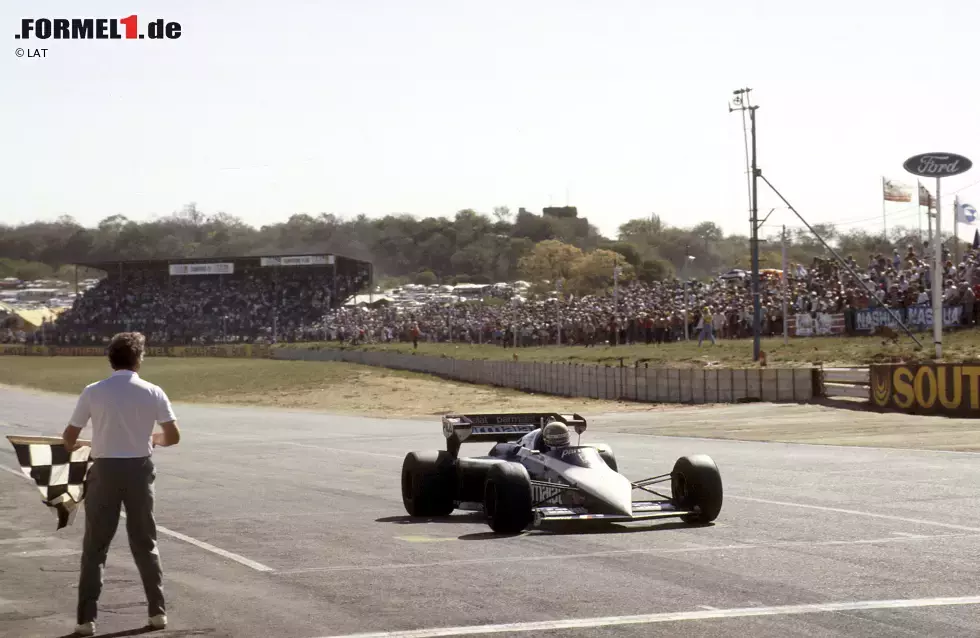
[[846, 382], [639, 383]]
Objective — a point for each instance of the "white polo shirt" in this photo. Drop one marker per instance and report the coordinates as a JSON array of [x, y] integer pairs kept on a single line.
[[123, 409]]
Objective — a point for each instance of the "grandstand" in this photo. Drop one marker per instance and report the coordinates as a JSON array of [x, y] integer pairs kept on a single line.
[[258, 299]]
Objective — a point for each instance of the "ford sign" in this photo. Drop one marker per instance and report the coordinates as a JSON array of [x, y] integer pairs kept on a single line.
[[937, 164]]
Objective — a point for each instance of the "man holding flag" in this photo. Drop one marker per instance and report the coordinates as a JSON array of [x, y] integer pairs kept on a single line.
[[123, 409]]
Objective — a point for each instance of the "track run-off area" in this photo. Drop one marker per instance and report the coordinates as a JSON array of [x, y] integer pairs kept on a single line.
[[289, 523]]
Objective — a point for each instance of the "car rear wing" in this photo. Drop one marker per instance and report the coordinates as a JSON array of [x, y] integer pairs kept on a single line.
[[499, 428]]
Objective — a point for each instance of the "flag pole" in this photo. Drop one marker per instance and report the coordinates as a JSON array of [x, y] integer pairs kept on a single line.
[[785, 292], [884, 221], [937, 280], [918, 210], [956, 231], [928, 212]]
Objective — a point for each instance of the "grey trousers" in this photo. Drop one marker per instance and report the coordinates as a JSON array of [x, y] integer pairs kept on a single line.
[[113, 483]]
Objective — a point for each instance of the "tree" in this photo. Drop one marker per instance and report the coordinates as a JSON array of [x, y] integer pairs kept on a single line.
[[25, 270], [594, 273], [550, 260], [533, 227], [708, 232], [644, 227], [426, 278], [498, 246], [654, 270], [502, 214], [625, 249]]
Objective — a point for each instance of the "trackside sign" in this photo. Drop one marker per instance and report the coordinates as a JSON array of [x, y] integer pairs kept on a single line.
[[298, 260], [937, 164], [202, 269], [928, 388]]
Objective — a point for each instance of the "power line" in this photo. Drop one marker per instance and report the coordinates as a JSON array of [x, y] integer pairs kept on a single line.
[[909, 211]]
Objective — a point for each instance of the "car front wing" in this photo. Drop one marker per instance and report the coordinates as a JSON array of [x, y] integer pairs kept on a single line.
[[642, 510]]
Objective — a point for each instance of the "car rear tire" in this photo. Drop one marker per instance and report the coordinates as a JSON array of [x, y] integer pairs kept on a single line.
[[429, 484], [507, 498], [695, 484]]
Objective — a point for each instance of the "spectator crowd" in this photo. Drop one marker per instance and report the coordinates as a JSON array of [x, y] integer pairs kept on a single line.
[[263, 305], [258, 305], [655, 312]]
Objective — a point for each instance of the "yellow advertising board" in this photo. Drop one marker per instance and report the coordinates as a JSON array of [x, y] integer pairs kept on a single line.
[[950, 389]]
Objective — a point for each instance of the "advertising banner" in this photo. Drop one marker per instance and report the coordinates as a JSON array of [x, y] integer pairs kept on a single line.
[[948, 389], [297, 260], [819, 324], [202, 269], [22, 350], [244, 351], [918, 317]]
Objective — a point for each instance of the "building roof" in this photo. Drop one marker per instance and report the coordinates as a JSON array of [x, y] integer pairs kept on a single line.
[[122, 263], [34, 317]]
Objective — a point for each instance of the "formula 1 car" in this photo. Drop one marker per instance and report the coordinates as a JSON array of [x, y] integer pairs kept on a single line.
[[519, 486]]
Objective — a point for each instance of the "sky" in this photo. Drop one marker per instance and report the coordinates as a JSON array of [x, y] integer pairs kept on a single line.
[[264, 110]]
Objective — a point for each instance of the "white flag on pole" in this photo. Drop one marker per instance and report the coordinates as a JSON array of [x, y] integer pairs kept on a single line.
[[895, 191], [965, 213]]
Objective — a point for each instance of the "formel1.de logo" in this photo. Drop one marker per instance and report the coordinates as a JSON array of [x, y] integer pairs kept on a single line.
[[128, 28]]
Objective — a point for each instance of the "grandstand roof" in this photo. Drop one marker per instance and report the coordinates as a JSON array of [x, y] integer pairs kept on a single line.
[[116, 263]]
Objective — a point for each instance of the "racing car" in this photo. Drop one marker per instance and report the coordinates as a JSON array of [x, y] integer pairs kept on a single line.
[[525, 482]]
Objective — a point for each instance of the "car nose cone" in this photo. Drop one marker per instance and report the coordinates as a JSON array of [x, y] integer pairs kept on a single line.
[[611, 487]]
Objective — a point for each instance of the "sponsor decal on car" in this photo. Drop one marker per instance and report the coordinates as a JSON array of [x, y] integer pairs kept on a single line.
[[501, 429], [540, 492]]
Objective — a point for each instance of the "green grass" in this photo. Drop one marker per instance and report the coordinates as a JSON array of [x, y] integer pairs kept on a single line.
[[326, 386], [829, 351], [190, 379]]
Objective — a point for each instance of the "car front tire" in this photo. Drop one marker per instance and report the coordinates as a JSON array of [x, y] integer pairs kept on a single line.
[[695, 484], [507, 498]]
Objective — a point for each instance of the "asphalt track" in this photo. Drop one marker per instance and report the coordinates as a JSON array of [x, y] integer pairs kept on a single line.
[[290, 524]]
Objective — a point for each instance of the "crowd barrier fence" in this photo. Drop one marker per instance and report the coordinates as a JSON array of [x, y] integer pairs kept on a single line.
[[632, 383]]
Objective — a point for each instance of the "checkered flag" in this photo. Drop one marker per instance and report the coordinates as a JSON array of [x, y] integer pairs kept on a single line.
[[58, 473]]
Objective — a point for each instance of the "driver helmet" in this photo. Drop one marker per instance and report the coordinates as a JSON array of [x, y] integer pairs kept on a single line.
[[556, 435]]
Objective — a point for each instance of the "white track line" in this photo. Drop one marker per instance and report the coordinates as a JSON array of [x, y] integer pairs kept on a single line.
[[682, 616], [887, 517], [248, 562], [187, 539], [613, 553]]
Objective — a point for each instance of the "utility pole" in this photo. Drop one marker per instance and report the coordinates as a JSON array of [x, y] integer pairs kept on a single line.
[[744, 104], [785, 293], [687, 299], [616, 301], [937, 278]]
